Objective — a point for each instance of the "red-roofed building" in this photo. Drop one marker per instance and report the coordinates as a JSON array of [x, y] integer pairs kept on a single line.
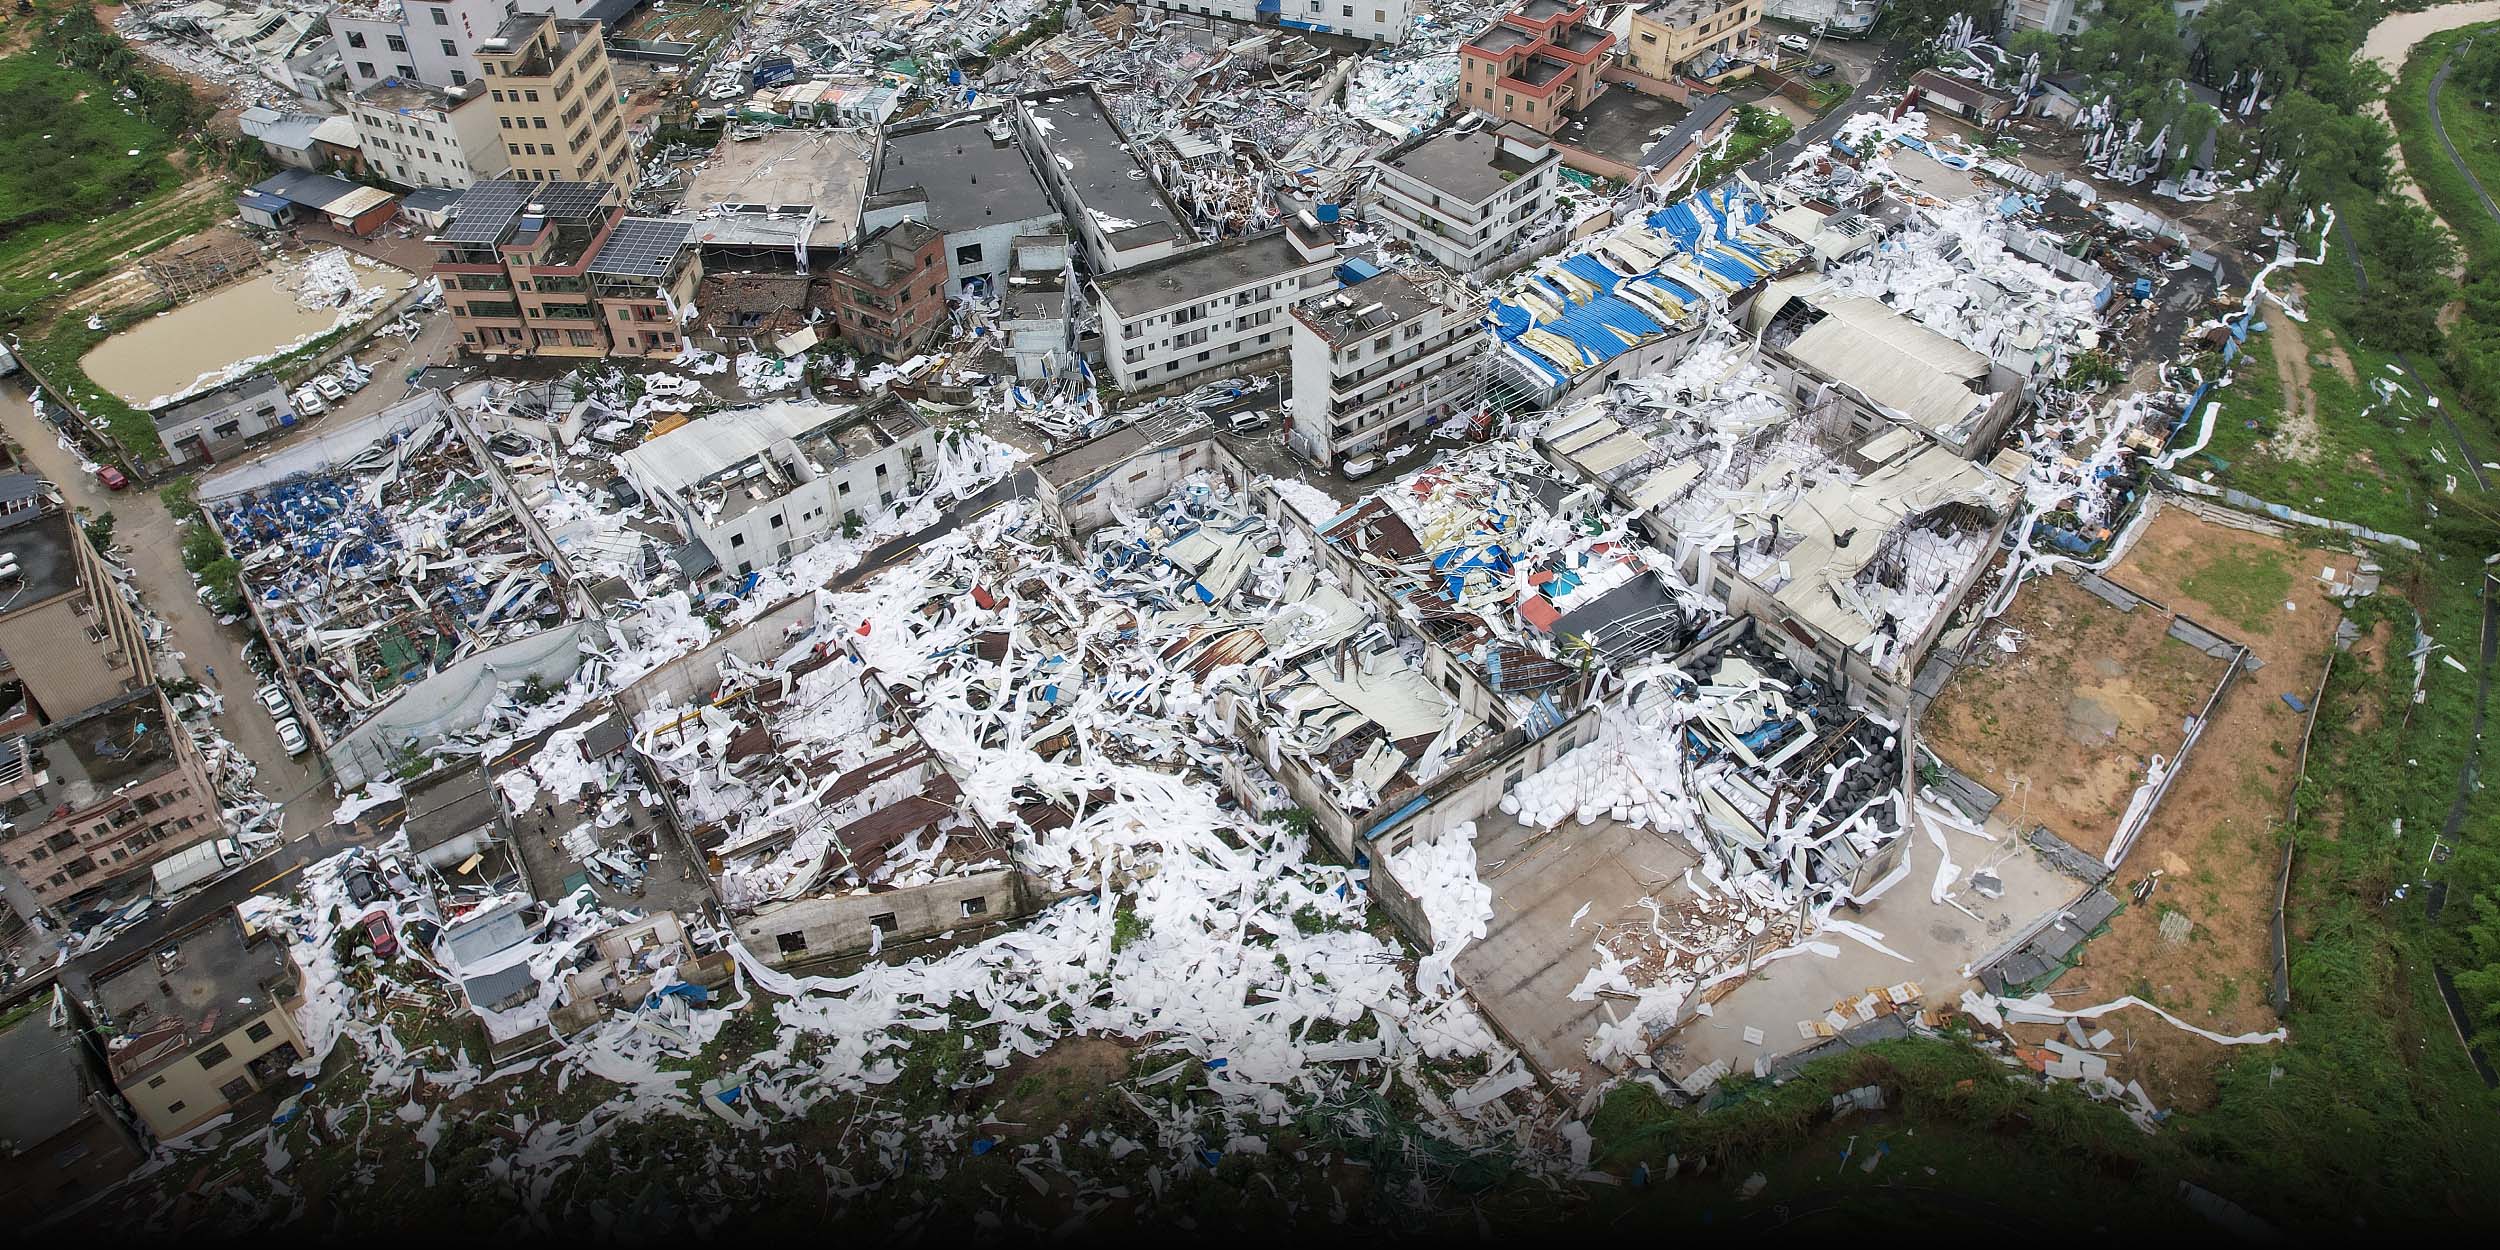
[[1536, 65]]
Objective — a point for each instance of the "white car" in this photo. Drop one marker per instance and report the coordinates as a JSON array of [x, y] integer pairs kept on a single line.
[[1794, 43], [308, 403], [352, 380], [1361, 466], [273, 697], [291, 736], [329, 388]]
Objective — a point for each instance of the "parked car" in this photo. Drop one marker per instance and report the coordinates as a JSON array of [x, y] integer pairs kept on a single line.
[[308, 403], [623, 493], [273, 697], [1362, 466], [1821, 69], [510, 444], [352, 380], [329, 388], [1794, 43], [291, 736], [378, 935], [111, 477], [1247, 422]]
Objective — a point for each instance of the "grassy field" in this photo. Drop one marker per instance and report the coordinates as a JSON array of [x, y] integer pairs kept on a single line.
[[66, 149]]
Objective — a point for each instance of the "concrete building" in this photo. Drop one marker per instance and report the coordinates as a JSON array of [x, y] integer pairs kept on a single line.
[[1879, 368], [754, 485], [1961, 97], [312, 142], [556, 101], [558, 269], [1038, 309], [1536, 65], [96, 798], [889, 298], [1213, 308], [432, 41], [202, 1024], [1378, 21], [65, 629], [1690, 38], [967, 177], [1118, 215], [211, 424], [1378, 361], [421, 136], [62, 1139], [1471, 198]]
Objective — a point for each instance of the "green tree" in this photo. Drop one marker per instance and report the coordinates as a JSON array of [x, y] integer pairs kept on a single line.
[[2052, 51], [2135, 41], [2409, 258]]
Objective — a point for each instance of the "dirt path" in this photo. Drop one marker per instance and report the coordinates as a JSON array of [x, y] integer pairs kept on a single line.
[[2298, 437]]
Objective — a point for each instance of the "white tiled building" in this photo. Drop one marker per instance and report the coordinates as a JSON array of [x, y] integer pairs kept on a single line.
[[1470, 196], [1381, 21], [1378, 361], [421, 136], [1212, 308], [432, 41]]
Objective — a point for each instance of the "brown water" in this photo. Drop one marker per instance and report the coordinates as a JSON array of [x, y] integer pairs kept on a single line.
[[167, 353]]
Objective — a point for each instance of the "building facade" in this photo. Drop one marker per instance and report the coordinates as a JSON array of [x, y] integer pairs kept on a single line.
[[967, 176], [1213, 308], [99, 797], [1472, 200], [1378, 361], [432, 41], [65, 629], [556, 101], [756, 485], [1536, 65], [201, 1025], [1380, 21], [422, 136], [558, 269], [209, 425], [1666, 38], [890, 297], [61, 1137]]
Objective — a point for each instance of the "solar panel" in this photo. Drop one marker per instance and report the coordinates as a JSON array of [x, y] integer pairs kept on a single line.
[[485, 211], [566, 201], [641, 247]]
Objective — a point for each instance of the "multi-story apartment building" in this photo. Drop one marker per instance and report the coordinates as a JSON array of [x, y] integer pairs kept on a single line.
[[66, 632], [1377, 361], [1118, 215], [97, 798], [755, 485], [556, 101], [202, 1024], [1664, 38], [558, 269], [966, 175], [432, 41], [422, 136], [1214, 307], [61, 1139], [1471, 198], [1380, 21], [1536, 65], [890, 296]]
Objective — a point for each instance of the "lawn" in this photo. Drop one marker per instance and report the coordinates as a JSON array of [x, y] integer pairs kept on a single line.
[[65, 153]]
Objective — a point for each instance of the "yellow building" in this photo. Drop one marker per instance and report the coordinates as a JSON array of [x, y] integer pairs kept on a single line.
[[202, 1024], [1681, 38], [556, 102]]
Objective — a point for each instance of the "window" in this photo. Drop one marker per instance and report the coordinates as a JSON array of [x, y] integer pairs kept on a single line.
[[175, 1109], [364, 69], [883, 922], [533, 96], [156, 1082], [440, 18], [779, 522], [976, 906], [215, 1055], [737, 540], [498, 96], [257, 1033], [1349, 10], [791, 943], [450, 48], [355, 39], [396, 43], [459, 78], [539, 122]]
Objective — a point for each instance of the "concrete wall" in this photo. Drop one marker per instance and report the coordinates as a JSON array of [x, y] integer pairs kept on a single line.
[[1091, 500], [834, 927], [318, 450], [696, 674]]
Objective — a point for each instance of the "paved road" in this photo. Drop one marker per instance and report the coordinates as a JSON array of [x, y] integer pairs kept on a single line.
[[2439, 127], [1873, 75]]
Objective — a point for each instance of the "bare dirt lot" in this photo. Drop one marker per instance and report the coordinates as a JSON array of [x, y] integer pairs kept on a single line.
[[2063, 728], [2214, 841]]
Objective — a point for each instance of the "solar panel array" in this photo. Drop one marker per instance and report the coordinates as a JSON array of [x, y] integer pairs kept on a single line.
[[485, 211], [566, 201], [641, 247]]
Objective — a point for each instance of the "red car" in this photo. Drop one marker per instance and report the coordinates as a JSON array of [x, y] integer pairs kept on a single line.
[[111, 477], [378, 934]]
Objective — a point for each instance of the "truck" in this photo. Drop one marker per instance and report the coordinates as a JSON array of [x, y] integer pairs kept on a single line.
[[194, 864]]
